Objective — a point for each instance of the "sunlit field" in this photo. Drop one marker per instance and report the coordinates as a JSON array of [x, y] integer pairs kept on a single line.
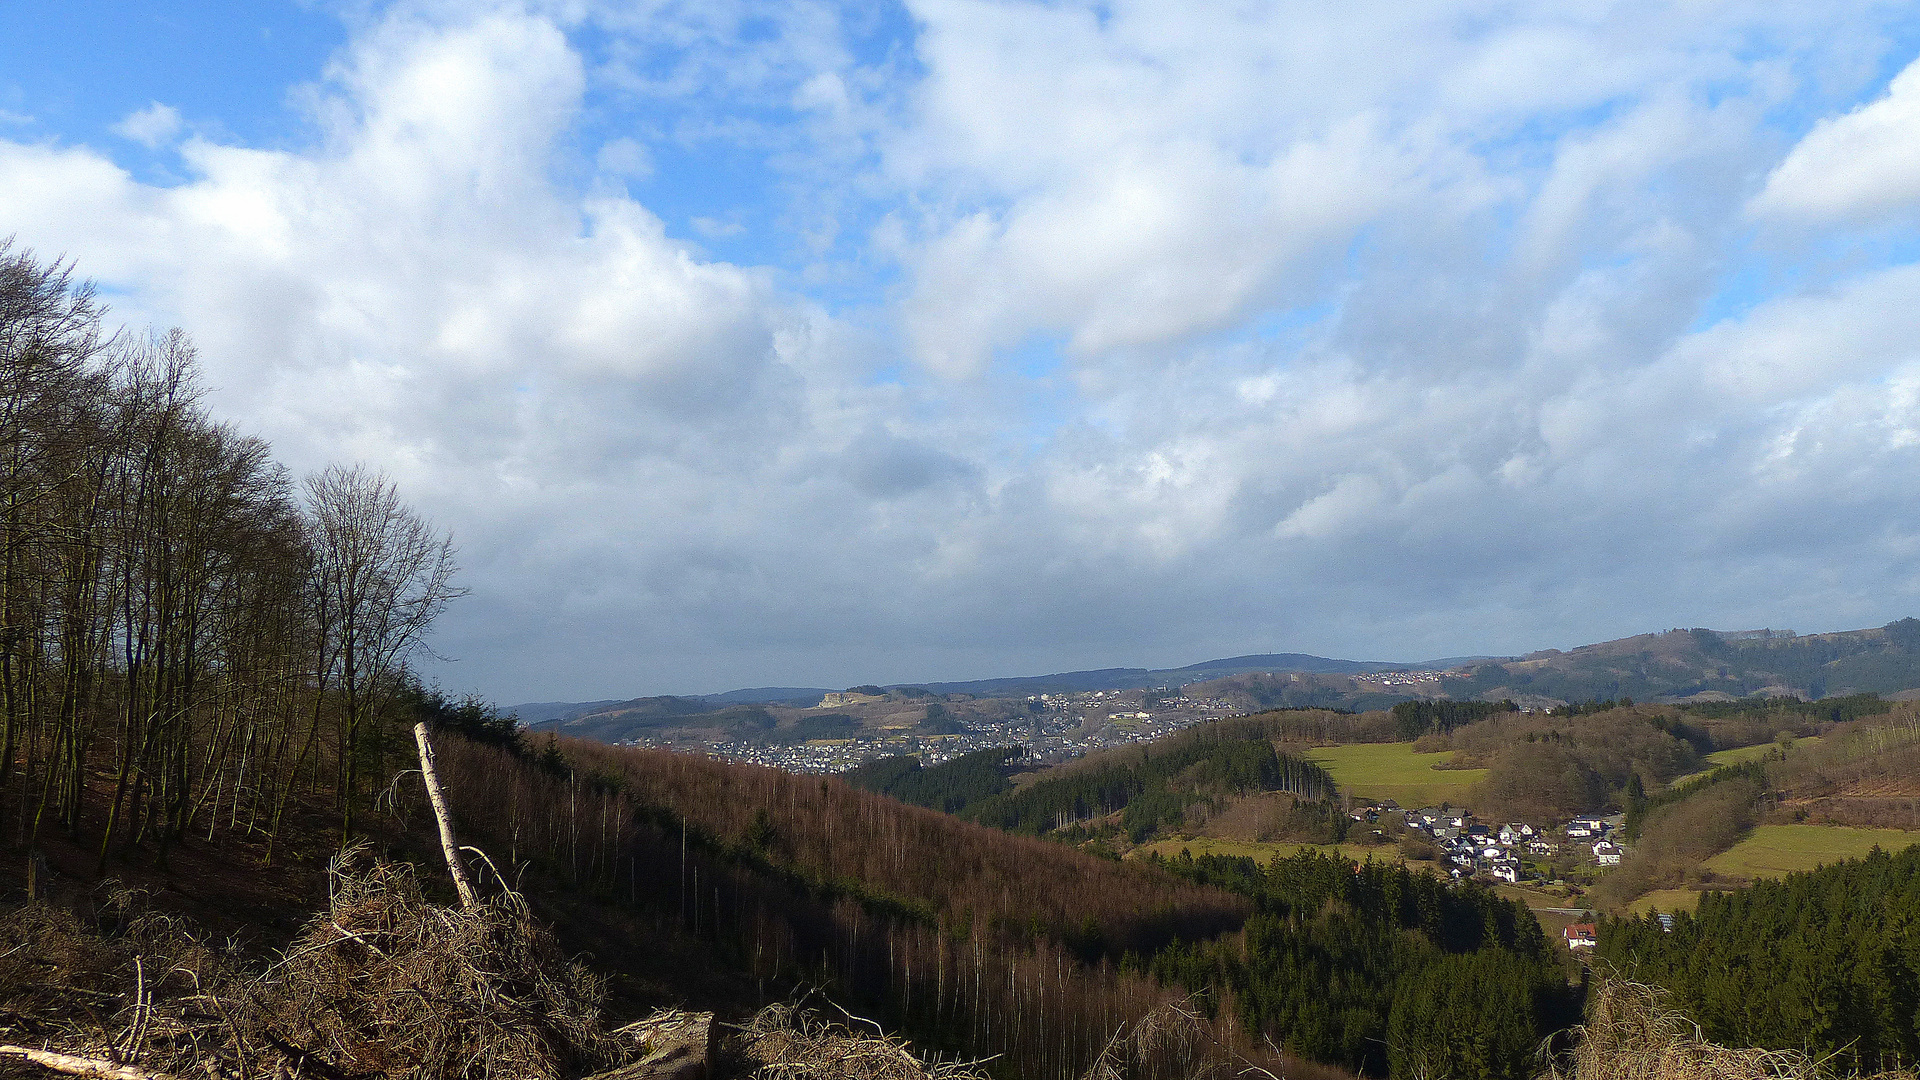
[[1774, 850], [1394, 771]]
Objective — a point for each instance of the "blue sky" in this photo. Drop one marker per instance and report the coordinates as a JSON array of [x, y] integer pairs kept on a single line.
[[794, 342]]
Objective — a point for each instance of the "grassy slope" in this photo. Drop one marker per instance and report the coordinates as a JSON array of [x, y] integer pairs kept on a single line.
[[1741, 754], [1773, 850], [1394, 771], [1666, 900], [1750, 753]]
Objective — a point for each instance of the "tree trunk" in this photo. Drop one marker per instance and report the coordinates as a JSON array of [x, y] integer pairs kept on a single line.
[[448, 846]]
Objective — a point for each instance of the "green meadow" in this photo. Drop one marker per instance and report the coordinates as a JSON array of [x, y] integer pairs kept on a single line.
[[1774, 850], [1749, 753], [1394, 771]]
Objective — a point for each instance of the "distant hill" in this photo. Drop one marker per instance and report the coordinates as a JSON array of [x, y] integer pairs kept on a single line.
[[547, 712], [1674, 665], [1017, 686], [1700, 664], [1142, 678], [540, 712], [769, 695]]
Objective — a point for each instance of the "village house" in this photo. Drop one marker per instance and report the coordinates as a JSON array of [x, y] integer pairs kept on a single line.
[[1607, 853], [1579, 936]]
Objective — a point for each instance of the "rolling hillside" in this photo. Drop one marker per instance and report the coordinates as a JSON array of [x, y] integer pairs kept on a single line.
[[1708, 664]]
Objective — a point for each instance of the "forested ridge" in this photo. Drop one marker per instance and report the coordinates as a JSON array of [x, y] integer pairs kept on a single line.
[[969, 939], [948, 787], [1155, 784]]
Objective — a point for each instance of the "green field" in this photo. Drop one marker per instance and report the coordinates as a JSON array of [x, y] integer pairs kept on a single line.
[[1774, 850], [1394, 771], [1748, 753], [1668, 900]]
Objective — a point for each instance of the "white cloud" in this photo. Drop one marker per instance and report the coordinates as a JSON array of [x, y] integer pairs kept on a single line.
[[151, 127], [1380, 332], [1858, 167]]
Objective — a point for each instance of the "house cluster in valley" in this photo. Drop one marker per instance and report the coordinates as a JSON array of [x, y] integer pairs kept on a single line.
[[1500, 852]]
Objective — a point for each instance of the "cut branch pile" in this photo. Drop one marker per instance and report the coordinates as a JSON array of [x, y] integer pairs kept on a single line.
[[1632, 1034], [385, 984], [147, 991], [785, 1042]]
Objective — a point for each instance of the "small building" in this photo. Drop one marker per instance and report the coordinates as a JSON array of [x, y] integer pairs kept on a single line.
[[1579, 936], [1542, 847], [1607, 853]]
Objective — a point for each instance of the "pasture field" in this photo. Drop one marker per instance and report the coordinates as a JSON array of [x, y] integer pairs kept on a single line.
[[1749, 753], [1394, 771], [1668, 900], [1774, 850], [1534, 897]]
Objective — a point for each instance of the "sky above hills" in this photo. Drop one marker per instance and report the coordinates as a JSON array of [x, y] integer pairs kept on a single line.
[[793, 343]]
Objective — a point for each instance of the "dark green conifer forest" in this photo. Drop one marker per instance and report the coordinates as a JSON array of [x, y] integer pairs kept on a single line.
[[1826, 961], [1378, 968]]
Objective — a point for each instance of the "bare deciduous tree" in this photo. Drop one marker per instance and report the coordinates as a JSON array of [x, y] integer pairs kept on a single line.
[[384, 575]]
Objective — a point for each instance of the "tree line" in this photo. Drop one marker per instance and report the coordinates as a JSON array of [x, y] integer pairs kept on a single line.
[[189, 639], [1412, 719]]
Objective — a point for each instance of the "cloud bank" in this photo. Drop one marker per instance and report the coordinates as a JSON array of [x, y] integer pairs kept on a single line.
[[1081, 335]]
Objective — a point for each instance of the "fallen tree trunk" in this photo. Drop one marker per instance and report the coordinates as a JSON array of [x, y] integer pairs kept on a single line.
[[82, 1066]]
